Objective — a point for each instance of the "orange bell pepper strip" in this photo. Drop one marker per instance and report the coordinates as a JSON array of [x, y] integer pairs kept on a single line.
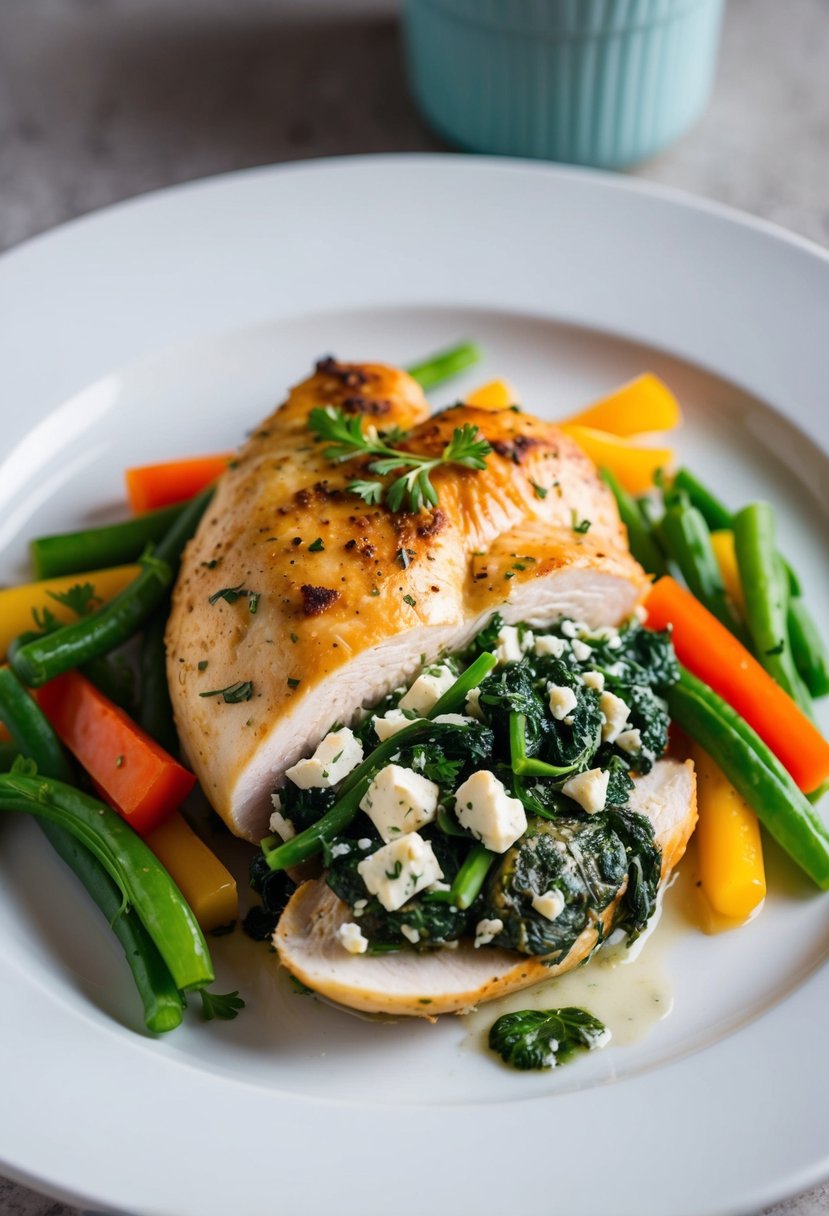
[[633, 465], [208, 887], [643, 404], [160, 485], [495, 395], [715, 656], [128, 769]]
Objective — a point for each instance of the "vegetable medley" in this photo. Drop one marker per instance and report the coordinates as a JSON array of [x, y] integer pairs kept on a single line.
[[487, 800]]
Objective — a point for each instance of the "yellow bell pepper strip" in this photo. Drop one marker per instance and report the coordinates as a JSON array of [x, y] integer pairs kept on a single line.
[[643, 404], [496, 395], [17, 603], [208, 887], [722, 543], [729, 845], [633, 466]]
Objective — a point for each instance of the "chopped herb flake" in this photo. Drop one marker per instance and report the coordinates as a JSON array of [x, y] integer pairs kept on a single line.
[[410, 600], [233, 694], [317, 546]]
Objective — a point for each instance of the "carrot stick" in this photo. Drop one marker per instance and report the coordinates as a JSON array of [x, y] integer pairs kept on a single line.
[[128, 768], [715, 656], [160, 485]]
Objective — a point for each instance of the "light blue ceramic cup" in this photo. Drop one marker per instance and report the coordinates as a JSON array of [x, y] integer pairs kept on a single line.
[[591, 82]]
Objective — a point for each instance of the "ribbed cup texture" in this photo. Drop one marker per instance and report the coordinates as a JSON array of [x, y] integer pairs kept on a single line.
[[592, 82]]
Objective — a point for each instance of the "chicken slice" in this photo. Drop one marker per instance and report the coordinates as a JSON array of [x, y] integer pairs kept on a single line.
[[351, 599], [451, 981]]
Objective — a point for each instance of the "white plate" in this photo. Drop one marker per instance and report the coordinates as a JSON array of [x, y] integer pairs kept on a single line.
[[170, 325]]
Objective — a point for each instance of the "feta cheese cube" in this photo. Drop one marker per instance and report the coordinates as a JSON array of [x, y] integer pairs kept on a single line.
[[508, 647], [630, 741], [473, 703], [410, 934], [562, 700], [549, 905], [278, 823], [615, 713], [334, 759], [486, 930], [484, 808], [389, 724], [594, 680], [351, 938], [400, 800], [548, 646], [399, 870], [428, 689], [588, 789], [581, 651]]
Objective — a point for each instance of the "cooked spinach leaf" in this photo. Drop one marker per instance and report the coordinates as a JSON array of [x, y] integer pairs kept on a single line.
[[537, 1038]]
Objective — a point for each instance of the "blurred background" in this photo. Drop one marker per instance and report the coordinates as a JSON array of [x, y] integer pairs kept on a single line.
[[104, 99], [101, 100]]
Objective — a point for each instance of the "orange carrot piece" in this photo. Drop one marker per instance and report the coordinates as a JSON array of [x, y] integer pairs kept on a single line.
[[128, 769], [715, 656], [160, 485]]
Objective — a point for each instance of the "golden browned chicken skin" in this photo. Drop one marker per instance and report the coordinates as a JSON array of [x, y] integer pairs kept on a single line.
[[351, 599]]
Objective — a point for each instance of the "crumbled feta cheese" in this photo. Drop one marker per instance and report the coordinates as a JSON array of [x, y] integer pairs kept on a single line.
[[571, 629], [484, 808], [581, 651], [365, 842], [391, 722], [473, 703], [588, 789], [615, 643], [360, 906], [486, 930], [548, 646], [562, 700], [342, 849], [508, 645], [615, 714], [400, 801], [549, 905], [277, 822], [399, 870], [410, 934], [594, 680], [641, 613], [351, 938], [630, 741], [439, 886], [453, 720], [336, 756], [428, 689]]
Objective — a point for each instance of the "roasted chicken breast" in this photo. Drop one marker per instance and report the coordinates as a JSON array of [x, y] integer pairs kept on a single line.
[[350, 600], [451, 981]]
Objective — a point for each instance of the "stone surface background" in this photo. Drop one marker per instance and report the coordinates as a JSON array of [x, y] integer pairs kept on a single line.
[[104, 99]]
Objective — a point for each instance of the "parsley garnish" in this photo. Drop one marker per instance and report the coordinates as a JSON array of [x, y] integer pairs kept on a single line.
[[582, 525], [410, 600], [230, 594], [317, 546], [224, 1005], [412, 490], [203, 664], [293, 683], [253, 602], [80, 599], [233, 694], [539, 491], [403, 556]]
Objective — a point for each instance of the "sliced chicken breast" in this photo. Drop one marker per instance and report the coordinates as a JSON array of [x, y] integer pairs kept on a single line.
[[451, 981], [351, 599]]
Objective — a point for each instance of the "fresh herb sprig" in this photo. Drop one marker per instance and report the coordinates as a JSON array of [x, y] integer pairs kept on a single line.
[[412, 490]]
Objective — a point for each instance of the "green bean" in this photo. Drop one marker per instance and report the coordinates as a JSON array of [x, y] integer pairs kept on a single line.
[[755, 772], [96, 548], [35, 739], [144, 884], [469, 880], [156, 715], [344, 810], [688, 541], [640, 538], [808, 649], [766, 598], [444, 365], [113, 623], [715, 514]]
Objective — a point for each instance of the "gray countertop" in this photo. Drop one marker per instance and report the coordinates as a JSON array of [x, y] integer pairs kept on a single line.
[[104, 99]]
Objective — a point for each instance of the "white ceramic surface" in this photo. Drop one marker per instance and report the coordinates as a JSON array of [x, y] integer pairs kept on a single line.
[[170, 325]]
